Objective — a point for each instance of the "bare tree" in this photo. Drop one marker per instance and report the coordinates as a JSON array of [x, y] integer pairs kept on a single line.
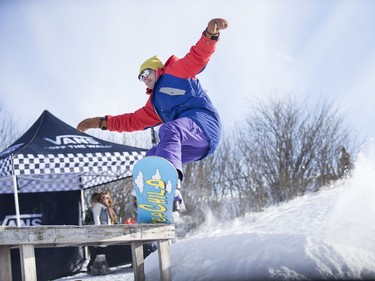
[[9, 130], [207, 186], [289, 148]]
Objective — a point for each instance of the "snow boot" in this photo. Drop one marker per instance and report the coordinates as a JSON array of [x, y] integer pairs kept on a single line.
[[178, 203], [100, 266]]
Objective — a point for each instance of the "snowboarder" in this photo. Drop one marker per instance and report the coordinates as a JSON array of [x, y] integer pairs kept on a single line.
[[191, 128]]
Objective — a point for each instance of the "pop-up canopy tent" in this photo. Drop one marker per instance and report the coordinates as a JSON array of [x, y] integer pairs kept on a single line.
[[43, 175], [53, 156]]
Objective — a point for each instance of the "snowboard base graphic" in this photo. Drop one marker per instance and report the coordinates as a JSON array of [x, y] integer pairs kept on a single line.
[[155, 181]]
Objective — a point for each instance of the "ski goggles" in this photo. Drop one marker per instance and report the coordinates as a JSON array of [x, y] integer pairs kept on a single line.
[[144, 74]]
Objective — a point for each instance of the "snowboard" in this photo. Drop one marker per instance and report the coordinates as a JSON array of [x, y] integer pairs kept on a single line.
[[155, 181]]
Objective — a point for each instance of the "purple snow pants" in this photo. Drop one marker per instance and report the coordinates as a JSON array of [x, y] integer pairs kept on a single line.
[[180, 141]]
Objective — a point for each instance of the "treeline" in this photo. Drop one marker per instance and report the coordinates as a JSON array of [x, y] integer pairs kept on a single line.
[[283, 149]]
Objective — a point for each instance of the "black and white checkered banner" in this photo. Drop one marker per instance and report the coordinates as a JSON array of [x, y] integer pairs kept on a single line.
[[60, 172]]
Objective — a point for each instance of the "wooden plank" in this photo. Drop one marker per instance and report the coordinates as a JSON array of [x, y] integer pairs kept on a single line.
[[164, 261], [28, 266], [138, 261], [5, 263], [75, 235], [26, 238]]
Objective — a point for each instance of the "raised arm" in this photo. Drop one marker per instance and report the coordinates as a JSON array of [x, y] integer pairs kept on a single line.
[[199, 54]]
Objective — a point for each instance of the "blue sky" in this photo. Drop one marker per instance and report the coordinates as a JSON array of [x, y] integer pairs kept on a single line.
[[79, 59]]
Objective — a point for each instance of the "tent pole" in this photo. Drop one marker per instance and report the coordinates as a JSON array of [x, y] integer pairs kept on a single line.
[[154, 137], [83, 215], [16, 202], [82, 206]]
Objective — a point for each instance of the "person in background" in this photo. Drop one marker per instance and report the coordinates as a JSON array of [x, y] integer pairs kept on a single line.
[[345, 164], [89, 217], [131, 212], [103, 210], [190, 124], [103, 213]]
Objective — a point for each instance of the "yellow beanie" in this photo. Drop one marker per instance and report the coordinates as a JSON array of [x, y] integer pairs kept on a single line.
[[153, 63]]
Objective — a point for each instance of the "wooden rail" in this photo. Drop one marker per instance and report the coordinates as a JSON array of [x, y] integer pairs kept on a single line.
[[29, 238]]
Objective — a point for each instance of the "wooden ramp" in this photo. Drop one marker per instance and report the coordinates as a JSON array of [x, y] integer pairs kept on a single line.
[[29, 238]]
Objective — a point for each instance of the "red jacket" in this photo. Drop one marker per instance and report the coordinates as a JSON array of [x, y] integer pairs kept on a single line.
[[187, 67]]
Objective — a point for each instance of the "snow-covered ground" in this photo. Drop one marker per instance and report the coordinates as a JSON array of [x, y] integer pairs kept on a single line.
[[324, 235]]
